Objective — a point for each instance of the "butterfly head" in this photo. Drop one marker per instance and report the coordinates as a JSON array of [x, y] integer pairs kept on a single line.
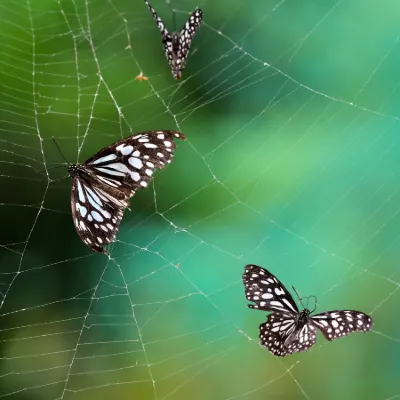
[[75, 170], [303, 316]]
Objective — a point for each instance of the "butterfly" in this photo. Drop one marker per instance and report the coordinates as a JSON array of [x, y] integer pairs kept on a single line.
[[103, 184], [287, 330], [177, 44]]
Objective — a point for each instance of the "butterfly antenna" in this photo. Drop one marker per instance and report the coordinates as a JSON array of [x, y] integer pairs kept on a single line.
[[59, 150], [300, 298], [315, 303]]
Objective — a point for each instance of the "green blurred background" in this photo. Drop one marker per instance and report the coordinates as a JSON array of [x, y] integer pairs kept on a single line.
[[292, 162]]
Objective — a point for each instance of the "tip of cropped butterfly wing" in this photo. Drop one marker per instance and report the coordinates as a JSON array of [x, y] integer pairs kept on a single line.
[[180, 135], [95, 248]]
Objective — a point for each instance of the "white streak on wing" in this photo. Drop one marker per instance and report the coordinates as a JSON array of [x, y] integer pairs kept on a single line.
[[109, 181], [92, 197], [109, 157], [136, 153], [150, 145], [96, 205], [80, 191], [276, 304], [106, 197], [110, 171], [287, 302], [119, 167]]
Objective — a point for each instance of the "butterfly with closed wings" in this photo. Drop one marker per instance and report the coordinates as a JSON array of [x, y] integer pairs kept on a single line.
[[177, 44], [102, 185], [287, 330]]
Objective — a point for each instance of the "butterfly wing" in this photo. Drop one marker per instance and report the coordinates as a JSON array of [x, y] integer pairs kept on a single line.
[[339, 323], [159, 22], [96, 213], [266, 291], [187, 33], [103, 185], [129, 164]]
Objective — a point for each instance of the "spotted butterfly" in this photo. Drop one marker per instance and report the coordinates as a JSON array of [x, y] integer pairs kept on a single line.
[[177, 44], [102, 185], [287, 330]]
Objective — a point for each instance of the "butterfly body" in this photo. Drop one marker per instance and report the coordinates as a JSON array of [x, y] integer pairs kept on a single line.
[[177, 44], [103, 185], [288, 330]]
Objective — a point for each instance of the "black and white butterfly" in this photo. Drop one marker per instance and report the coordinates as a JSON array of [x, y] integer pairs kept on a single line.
[[287, 330], [102, 185], [177, 44]]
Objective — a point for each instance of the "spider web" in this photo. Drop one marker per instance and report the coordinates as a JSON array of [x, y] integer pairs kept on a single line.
[[291, 162]]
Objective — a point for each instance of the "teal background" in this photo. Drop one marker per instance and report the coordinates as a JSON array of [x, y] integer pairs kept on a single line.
[[291, 112]]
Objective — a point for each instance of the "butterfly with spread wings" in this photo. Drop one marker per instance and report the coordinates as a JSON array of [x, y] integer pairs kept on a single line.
[[287, 330], [177, 44], [102, 185]]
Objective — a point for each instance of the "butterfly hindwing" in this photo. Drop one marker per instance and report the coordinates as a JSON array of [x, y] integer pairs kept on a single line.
[[275, 331], [266, 291], [339, 323], [103, 185], [285, 334], [95, 213]]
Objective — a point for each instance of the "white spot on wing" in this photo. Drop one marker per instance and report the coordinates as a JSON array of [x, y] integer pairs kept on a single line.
[[150, 145], [109, 157], [127, 150], [267, 296], [135, 162], [97, 216]]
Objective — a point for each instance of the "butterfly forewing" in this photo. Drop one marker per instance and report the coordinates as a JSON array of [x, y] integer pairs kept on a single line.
[[266, 291], [339, 323], [103, 185], [159, 22]]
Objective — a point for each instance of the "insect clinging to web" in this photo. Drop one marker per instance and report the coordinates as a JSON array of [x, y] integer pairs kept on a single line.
[[103, 184], [177, 44], [288, 330]]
